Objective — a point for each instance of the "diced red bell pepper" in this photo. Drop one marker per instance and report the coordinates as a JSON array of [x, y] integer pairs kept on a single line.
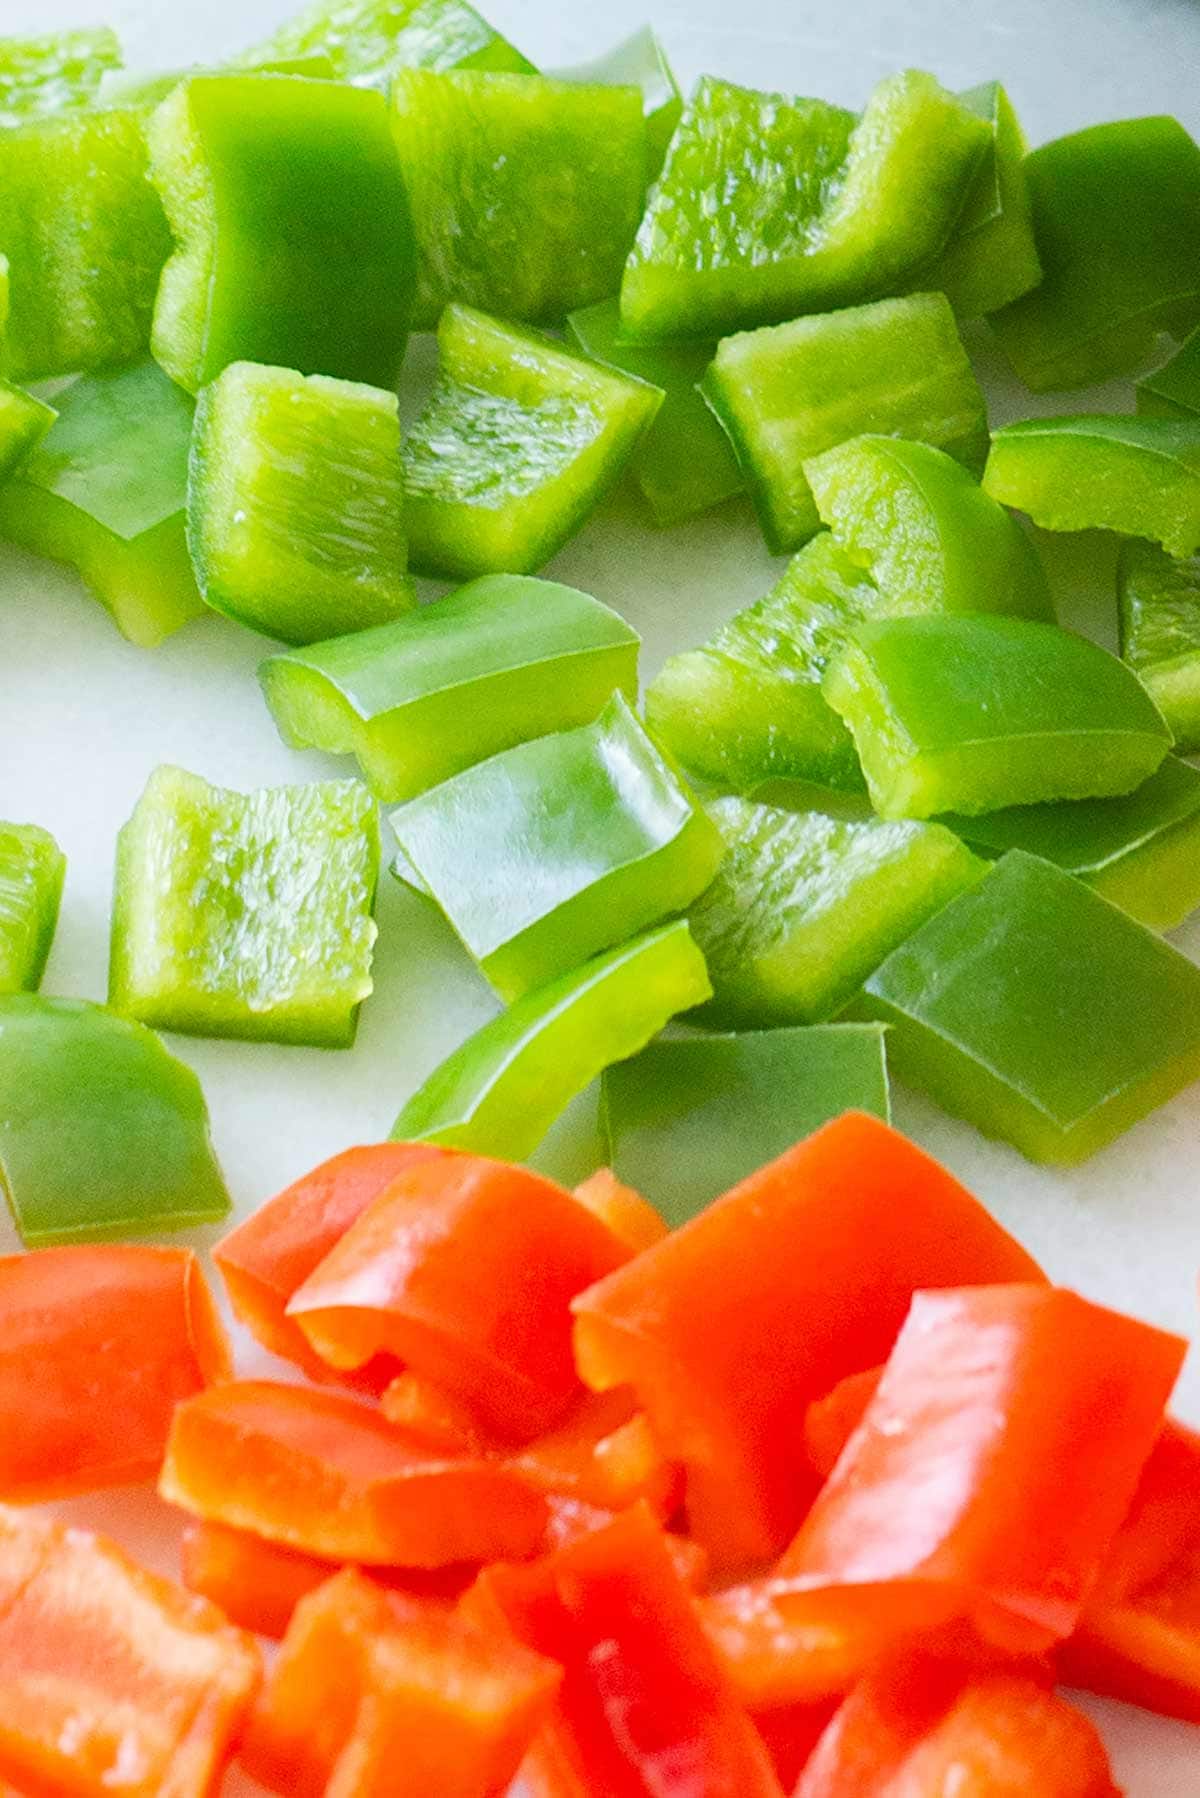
[[427, 1411], [464, 1270], [776, 1656], [320, 1472], [605, 1454], [791, 1733], [98, 1344], [731, 1326], [830, 1422], [111, 1679], [1163, 1521], [627, 1214]]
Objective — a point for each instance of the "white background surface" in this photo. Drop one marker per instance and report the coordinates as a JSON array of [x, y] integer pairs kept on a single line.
[[85, 717]]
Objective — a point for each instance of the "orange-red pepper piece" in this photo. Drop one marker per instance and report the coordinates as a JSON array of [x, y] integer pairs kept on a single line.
[[422, 1409], [731, 1326], [111, 1679], [1163, 1521], [830, 1422], [605, 1454], [320, 1472], [776, 1658], [627, 1214]]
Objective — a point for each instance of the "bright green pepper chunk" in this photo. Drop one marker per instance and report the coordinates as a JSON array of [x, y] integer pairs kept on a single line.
[[691, 1116], [992, 258], [516, 447], [1142, 851], [805, 906], [32, 867], [504, 659], [961, 714], [930, 537], [1140, 476], [1160, 633], [24, 421], [53, 74], [1040, 1013], [1173, 391], [816, 209], [501, 1090], [106, 491], [787, 392], [525, 193], [369, 40], [293, 243], [1116, 212], [124, 88], [246, 915], [102, 1132], [638, 61], [296, 503], [684, 463], [552, 851]]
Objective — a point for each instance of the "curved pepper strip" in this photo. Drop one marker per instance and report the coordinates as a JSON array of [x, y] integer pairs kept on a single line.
[[830, 1422], [737, 1321], [630, 1217], [423, 1409]]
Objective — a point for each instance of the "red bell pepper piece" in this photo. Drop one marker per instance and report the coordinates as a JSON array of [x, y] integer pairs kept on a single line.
[[98, 1344], [427, 1411], [379, 1696], [791, 1733], [628, 1215], [111, 1679], [830, 1422], [778, 1656], [731, 1326], [464, 1269], [604, 1454], [1163, 1521], [321, 1473]]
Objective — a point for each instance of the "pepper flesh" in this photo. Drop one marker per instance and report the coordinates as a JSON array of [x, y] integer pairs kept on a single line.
[[53, 74], [1173, 391], [1160, 633], [368, 40], [32, 869], [24, 421], [638, 61], [992, 257]]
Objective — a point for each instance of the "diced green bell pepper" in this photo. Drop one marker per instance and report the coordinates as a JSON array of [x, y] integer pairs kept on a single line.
[[369, 40], [1116, 213], [501, 1090], [992, 258], [1173, 391], [684, 464], [1141, 851], [805, 906], [930, 537], [125, 88], [296, 503], [1038, 1011], [962, 714], [787, 392], [769, 207], [691, 1116], [747, 706], [24, 421], [53, 74], [517, 445], [504, 659], [1139, 476], [246, 915], [561, 847], [293, 243], [525, 193], [638, 61], [1160, 633], [32, 867], [102, 1132]]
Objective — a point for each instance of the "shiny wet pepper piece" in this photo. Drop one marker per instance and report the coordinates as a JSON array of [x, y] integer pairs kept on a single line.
[[24, 421], [638, 61], [559, 848], [818, 208], [1160, 633], [503, 659], [102, 1132], [1040, 1013], [1116, 209], [54, 74], [367, 41], [806, 906], [293, 244], [518, 443], [106, 491], [32, 869], [960, 714], [296, 503], [246, 915], [787, 392], [1173, 391], [991, 258]]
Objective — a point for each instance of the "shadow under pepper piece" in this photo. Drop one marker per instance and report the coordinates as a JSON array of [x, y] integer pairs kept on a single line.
[[1159, 601], [32, 868]]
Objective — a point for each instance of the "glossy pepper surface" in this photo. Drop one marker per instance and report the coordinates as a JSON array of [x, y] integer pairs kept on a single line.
[[1159, 600], [638, 61], [24, 421], [991, 258], [32, 868], [54, 74], [368, 40]]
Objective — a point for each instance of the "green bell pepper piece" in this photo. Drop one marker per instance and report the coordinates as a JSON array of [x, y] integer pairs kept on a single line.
[[125, 88], [1173, 391], [516, 447], [525, 193], [1160, 633], [53, 74], [638, 61], [32, 868], [24, 421], [1142, 851], [504, 659], [684, 464], [102, 1132], [992, 257], [816, 208], [1139, 476], [1116, 212], [805, 906], [690, 1117], [246, 915], [296, 503], [293, 244], [961, 714], [369, 40], [787, 392], [930, 537], [747, 706], [1040, 1013], [501, 1090], [561, 847], [106, 491]]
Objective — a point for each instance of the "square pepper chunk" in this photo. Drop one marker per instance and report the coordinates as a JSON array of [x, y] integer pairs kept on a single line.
[[367, 41]]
